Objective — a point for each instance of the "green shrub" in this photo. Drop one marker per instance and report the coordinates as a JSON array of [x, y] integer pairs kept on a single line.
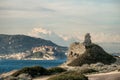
[[32, 71], [38, 71], [87, 70], [69, 75], [55, 70]]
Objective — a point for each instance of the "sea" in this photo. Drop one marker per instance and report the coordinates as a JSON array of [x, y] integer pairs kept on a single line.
[[9, 65]]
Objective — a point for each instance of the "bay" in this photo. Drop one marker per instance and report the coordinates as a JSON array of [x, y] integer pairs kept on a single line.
[[9, 65]]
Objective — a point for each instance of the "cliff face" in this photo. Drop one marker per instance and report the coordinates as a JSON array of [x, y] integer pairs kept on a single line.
[[87, 53]]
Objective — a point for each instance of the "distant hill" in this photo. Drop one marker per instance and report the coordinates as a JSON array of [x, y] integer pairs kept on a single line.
[[21, 43]]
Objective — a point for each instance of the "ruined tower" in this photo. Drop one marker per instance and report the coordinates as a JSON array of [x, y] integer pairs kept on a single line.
[[87, 40]]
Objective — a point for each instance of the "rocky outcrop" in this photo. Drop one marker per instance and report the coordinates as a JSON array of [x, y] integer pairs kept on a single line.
[[87, 53]]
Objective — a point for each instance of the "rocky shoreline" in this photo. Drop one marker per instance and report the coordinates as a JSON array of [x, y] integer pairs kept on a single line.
[[99, 67]]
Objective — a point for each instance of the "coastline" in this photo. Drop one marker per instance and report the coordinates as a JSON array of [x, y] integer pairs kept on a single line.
[[99, 76], [114, 75]]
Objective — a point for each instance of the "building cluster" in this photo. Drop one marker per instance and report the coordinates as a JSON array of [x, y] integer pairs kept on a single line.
[[17, 56], [44, 49]]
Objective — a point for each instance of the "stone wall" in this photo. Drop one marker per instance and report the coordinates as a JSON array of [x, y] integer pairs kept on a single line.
[[75, 50]]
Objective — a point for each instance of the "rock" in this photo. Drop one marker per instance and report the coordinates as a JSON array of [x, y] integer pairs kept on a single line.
[[97, 65], [8, 74], [25, 76], [10, 78], [87, 53], [20, 77]]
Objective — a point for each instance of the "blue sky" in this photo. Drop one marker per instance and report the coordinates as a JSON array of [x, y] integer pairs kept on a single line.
[[66, 19]]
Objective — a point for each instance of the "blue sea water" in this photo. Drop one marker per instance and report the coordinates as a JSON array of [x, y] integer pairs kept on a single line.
[[8, 65]]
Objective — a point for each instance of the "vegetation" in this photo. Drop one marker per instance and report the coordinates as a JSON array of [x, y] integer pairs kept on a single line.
[[69, 76], [38, 71], [32, 71], [93, 54], [87, 70], [55, 70]]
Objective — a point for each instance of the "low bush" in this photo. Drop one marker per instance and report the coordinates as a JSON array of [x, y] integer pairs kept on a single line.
[[69, 76], [32, 71], [55, 70], [38, 71], [87, 70]]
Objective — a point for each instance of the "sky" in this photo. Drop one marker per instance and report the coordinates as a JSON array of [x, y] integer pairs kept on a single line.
[[62, 21]]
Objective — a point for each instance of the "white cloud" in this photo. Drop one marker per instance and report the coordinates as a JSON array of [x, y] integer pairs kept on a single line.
[[64, 37], [105, 38], [59, 39], [41, 30], [36, 31], [68, 16], [100, 37], [69, 20], [66, 40]]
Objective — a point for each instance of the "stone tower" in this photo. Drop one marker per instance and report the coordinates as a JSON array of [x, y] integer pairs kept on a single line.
[[87, 40]]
